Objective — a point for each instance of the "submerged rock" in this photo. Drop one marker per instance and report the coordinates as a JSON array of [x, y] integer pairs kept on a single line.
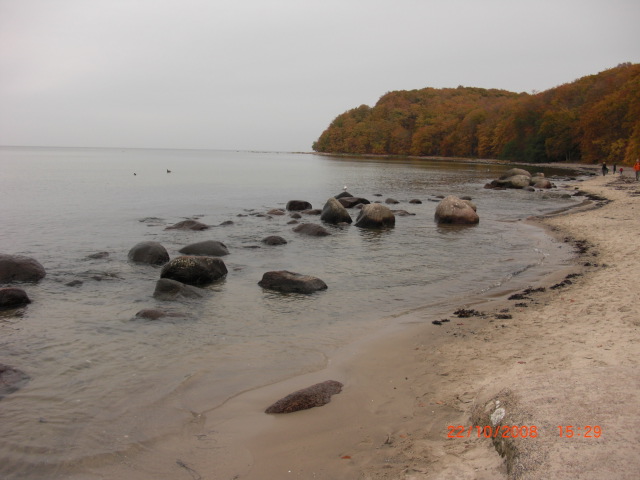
[[188, 225], [312, 230], [155, 314], [11, 379], [167, 289], [211, 248], [310, 397]]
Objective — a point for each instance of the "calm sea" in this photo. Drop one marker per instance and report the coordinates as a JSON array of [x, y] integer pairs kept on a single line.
[[104, 381]]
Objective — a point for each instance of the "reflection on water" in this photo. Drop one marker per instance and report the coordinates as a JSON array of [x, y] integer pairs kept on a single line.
[[104, 381]]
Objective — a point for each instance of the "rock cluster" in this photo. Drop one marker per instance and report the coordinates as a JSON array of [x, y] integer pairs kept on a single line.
[[519, 178]]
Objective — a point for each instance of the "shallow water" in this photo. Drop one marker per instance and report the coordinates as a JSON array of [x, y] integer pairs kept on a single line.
[[104, 381]]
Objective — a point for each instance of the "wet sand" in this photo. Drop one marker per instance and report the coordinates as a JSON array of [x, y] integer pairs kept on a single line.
[[417, 398]]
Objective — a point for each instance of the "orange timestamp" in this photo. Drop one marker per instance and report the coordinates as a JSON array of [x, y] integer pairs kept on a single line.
[[586, 431], [520, 431], [488, 431]]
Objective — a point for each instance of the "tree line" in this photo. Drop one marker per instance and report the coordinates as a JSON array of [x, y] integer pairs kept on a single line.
[[593, 119]]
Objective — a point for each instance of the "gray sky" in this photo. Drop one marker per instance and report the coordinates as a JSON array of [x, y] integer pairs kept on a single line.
[[272, 74]]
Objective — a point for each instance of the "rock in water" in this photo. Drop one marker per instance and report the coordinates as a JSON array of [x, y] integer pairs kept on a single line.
[[211, 248], [168, 289], [298, 205], [194, 270], [313, 396], [11, 297], [152, 253], [350, 202], [16, 268], [188, 225], [375, 215], [274, 240], [333, 212], [11, 379], [291, 282], [312, 230], [453, 210]]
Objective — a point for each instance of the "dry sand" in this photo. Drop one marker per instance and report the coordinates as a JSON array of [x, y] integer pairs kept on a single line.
[[567, 358]]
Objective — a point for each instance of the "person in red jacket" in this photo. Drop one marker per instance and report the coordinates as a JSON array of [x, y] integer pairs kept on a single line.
[[636, 167]]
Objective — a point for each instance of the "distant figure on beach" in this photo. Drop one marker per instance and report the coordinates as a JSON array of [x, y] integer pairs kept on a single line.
[[614, 169], [620, 170], [636, 168], [604, 168]]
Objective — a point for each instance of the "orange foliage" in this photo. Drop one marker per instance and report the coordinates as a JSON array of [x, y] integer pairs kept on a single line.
[[595, 118]]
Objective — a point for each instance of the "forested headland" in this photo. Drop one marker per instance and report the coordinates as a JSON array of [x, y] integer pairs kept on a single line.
[[593, 119]]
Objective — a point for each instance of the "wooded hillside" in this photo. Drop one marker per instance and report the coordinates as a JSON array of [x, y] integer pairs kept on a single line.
[[593, 119]]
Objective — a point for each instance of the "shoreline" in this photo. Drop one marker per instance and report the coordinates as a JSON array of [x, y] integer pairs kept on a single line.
[[546, 366], [406, 384]]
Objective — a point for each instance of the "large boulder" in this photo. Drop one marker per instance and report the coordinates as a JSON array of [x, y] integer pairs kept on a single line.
[[310, 397], [167, 289], [211, 248], [333, 212], [456, 211], [516, 181], [188, 225], [350, 202], [512, 178], [298, 205], [539, 181], [312, 229], [514, 171], [12, 297], [152, 253], [375, 215], [16, 268], [11, 379], [194, 270], [291, 282]]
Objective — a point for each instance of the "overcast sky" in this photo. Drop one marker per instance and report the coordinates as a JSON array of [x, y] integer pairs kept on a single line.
[[272, 74]]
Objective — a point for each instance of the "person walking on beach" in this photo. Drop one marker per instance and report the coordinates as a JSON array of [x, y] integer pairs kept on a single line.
[[636, 167], [604, 168], [614, 168]]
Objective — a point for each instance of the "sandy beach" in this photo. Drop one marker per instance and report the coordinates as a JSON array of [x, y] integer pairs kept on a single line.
[[556, 365], [567, 358]]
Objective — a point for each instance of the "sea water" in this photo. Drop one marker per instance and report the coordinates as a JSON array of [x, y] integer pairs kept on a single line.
[[103, 380]]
